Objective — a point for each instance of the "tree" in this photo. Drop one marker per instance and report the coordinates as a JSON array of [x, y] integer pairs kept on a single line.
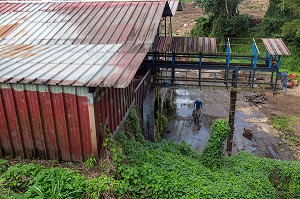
[[224, 19], [221, 8], [292, 28]]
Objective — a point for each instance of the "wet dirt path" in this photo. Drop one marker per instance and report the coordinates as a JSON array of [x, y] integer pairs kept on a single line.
[[264, 143]]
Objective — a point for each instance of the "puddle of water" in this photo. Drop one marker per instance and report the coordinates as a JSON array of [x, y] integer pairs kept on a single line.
[[189, 131]]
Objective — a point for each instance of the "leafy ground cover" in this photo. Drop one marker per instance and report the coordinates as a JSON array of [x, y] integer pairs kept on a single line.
[[285, 126], [160, 170]]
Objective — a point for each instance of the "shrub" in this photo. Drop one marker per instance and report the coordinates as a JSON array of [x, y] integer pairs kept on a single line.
[[19, 177], [3, 166], [203, 27], [57, 183], [212, 156], [231, 27], [90, 162], [101, 187]]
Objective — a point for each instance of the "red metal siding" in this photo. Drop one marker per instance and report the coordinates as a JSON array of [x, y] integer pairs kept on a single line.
[[46, 115], [83, 116], [112, 104], [36, 123], [49, 122], [73, 126], [12, 121], [4, 138], [24, 123], [61, 124]]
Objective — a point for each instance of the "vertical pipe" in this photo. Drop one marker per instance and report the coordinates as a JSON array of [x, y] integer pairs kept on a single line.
[[227, 62], [165, 34], [173, 68], [278, 62], [270, 61], [252, 52]]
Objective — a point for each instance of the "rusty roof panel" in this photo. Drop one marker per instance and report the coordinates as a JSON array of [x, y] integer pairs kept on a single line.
[[79, 22], [76, 43], [276, 46], [79, 65], [185, 45]]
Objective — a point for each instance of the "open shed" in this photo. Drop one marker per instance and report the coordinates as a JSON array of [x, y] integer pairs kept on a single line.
[[69, 69]]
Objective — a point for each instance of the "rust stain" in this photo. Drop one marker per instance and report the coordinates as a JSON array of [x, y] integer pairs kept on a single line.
[[15, 50], [6, 29]]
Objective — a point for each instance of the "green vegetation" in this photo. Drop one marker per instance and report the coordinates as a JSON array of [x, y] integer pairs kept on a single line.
[[223, 19], [133, 126], [281, 20], [213, 153], [161, 121], [160, 170], [285, 126], [3, 166], [90, 162]]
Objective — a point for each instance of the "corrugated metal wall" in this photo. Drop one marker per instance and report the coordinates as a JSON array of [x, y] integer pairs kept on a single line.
[[48, 122], [56, 122], [142, 85], [112, 104]]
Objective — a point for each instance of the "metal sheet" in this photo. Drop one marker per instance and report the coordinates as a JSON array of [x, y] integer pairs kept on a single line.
[[76, 43], [276, 46], [112, 104], [49, 122], [185, 45], [173, 4], [76, 22]]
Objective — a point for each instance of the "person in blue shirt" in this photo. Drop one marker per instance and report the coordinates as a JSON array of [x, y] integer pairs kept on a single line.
[[198, 105]]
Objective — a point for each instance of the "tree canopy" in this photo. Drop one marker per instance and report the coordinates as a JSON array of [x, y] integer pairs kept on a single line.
[[292, 28], [219, 8]]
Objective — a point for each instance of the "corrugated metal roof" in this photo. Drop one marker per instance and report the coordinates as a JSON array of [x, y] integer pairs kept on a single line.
[[275, 46], [79, 65], [173, 4], [185, 44], [76, 43], [170, 8]]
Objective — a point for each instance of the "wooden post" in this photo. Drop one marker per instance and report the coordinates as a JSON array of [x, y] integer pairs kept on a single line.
[[92, 124]]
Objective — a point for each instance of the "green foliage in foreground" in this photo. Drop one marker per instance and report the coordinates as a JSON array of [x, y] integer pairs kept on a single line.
[[167, 170], [161, 170], [212, 156]]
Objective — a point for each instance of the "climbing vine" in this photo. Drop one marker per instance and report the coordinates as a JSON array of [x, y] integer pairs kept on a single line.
[[212, 156], [161, 121]]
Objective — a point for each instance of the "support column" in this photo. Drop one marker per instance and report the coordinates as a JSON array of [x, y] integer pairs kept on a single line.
[[173, 69], [232, 105], [231, 121]]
